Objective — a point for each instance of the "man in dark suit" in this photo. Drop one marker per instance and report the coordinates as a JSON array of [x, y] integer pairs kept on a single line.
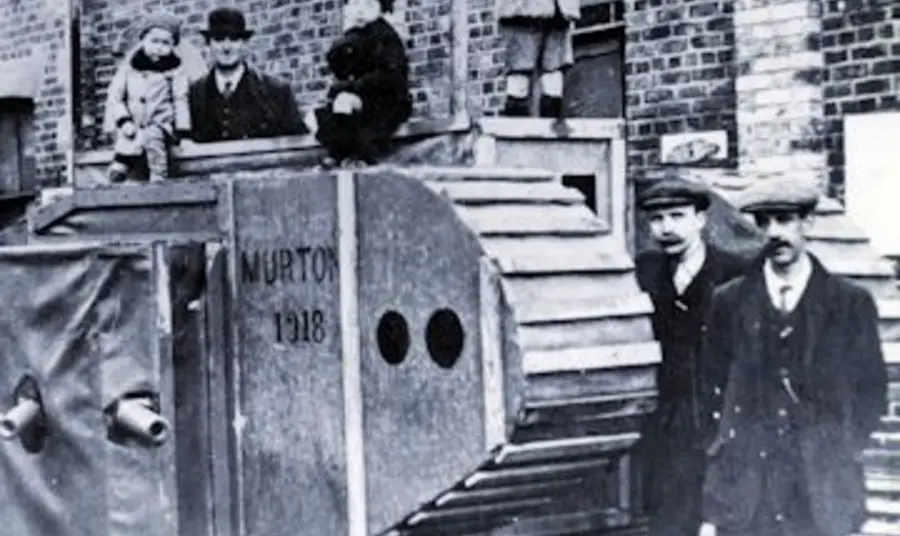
[[233, 101], [806, 387], [679, 279]]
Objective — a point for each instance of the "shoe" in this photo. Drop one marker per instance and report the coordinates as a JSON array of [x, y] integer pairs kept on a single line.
[[551, 107], [515, 107], [118, 172]]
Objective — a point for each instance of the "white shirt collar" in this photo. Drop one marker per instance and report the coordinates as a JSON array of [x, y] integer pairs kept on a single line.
[[234, 78], [689, 266], [797, 280]]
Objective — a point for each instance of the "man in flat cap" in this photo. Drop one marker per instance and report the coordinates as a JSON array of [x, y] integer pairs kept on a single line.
[[806, 384], [234, 101], [679, 279]]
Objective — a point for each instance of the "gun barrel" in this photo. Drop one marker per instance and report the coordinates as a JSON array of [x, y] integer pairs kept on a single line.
[[134, 416], [18, 418]]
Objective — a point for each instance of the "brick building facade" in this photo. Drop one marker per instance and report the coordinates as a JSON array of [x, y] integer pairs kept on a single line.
[[776, 74]]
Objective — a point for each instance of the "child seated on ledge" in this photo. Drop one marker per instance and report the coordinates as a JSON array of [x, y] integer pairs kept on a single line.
[[147, 102], [370, 97]]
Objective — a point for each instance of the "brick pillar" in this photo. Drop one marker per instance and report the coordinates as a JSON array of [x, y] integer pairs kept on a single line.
[[780, 101]]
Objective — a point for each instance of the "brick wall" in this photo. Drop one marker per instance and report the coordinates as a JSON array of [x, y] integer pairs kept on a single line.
[[679, 73], [780, 90], [36, 29], [861, 45], [291, 39]]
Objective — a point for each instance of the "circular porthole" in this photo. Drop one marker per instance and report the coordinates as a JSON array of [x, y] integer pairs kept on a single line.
[[393, 337], [444, 337]]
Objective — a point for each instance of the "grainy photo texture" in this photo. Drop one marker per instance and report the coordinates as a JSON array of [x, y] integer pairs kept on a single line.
[[449, 268]]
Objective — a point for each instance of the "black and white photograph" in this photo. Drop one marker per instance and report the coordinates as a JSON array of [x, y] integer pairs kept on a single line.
[[449, 268]]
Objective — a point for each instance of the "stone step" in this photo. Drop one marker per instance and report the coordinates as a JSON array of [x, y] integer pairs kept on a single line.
[[478, 174], [513, 248], [889, 319], [569, 286], [523, 220], [883, 507], [561, 259], [499, 192], [876, 527], [882, 483], [581, 333], [830, 249], [567, 310], [859, 266], [602, 357], [836, 228]]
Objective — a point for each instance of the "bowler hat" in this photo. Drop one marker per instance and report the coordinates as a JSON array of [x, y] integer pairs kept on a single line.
[[226, 22], [673, 192], [782, 194]]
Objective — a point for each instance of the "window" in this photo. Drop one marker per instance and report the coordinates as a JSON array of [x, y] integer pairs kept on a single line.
[[16, 164], [595, 85]]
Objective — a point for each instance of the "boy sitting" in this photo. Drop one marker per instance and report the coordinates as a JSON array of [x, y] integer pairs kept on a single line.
[[370, 97]]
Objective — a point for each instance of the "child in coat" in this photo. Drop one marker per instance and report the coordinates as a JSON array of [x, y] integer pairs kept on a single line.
[[147, 102], [370, 97]]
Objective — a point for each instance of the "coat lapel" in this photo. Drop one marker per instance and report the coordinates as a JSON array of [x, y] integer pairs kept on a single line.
[[818, 314]]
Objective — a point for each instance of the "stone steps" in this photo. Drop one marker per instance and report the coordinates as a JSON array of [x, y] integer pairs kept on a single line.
[[583, 328]]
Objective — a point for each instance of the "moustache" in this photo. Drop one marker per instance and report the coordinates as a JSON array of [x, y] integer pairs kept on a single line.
[[773, 245]]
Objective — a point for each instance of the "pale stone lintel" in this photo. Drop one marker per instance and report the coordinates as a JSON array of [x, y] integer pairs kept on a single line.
[[777, 113], [797, 94], [539, 128], [784, 30], [791, 62], [788, 11], [592, 358], [756, 81]]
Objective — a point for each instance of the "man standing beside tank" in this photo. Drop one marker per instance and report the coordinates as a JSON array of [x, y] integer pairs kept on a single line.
[[806, 388], [680, 280], [234, 101]]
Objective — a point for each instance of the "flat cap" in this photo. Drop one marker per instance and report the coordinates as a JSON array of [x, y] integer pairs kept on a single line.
[[779, 195], [672, 192]]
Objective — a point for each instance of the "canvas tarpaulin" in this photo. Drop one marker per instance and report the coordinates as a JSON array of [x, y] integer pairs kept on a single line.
[[83, 322]]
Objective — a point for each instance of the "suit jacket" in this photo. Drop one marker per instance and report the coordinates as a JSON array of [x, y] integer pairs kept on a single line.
[[842, 397], [265, 108], [682, 376], [539, 9]]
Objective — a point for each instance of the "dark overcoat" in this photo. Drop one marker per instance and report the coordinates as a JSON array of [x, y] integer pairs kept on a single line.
[[842, 394], [673, 437], [260, 107], [371, 63]]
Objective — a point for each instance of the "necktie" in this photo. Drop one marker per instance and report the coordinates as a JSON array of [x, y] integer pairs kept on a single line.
[[226, 90], [783, 293]]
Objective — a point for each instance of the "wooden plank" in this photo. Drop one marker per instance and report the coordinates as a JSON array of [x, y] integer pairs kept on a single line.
[[589, 522], [563, 260], [540, 128], [536, 473], [571, 385], [495, 192], [584, 308], [592, 358], [476, 174], [556, 449], [487, 511], [459, 498], [532, 219], [221, 403], [491, 321]]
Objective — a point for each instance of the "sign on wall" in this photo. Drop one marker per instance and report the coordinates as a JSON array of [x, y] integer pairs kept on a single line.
[[694, 147]]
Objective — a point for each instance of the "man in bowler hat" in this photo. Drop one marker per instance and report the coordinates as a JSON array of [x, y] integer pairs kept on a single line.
[[679, 278], [806, 384], [235, 101]]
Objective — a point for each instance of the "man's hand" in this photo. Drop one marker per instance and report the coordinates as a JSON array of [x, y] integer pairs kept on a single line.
[[707, 529], [346, 103], [128, 130]]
